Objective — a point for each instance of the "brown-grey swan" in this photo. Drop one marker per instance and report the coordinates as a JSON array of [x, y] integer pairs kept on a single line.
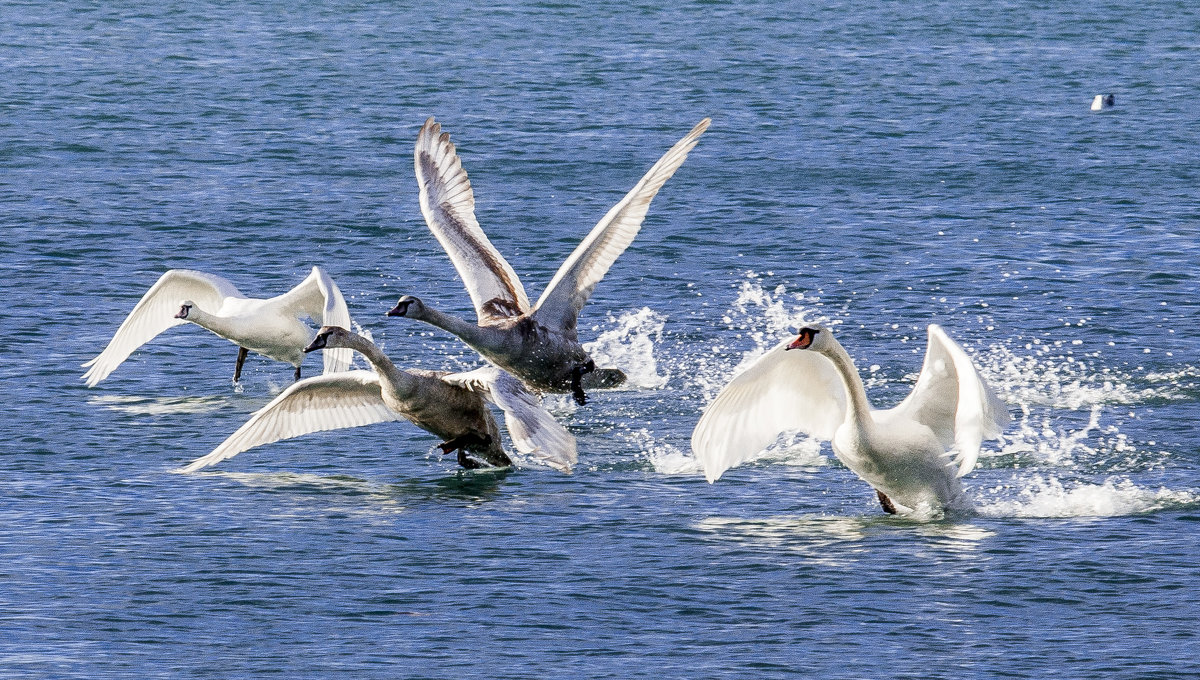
[[913, 454], [451, 406], [272, 327], [537, 343]]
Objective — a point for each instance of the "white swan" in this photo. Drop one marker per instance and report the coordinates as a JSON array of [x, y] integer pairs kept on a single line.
[[271, 327], [912, 454], [450, 406], [537, 343], [1103, 101]]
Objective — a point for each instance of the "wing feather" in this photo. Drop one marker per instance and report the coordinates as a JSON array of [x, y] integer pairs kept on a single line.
[[564, 298], [535, 433], [954, 401], [448, 204], [320, 299], [155, 313], [331, 401], [780, 391]]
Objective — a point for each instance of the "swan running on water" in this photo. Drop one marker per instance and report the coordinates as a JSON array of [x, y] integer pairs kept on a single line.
[[913, 454], [271, 327], [450, 406], [537, 343]]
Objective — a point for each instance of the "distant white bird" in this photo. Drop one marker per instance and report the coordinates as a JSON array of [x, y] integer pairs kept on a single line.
[[271, 327], [913, 454], [537, 343], [450, 406], [1103, 101]]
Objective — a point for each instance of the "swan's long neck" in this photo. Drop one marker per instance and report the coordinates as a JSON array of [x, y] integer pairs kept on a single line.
[[858, 409], [478, 337], [401, 383], [217, 324]]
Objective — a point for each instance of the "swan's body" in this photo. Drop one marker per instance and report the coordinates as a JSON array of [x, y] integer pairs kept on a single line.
[[451, 406], [1103, 101], [913, 454], [271, 327], [538, 343]]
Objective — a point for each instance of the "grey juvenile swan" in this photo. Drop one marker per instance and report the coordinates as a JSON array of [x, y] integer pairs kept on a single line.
[[913, 454], [537, 343], [272, 327], [451, 406]]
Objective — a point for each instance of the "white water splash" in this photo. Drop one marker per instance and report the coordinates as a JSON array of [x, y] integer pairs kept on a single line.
[[629, 345], [760, 319], [1048, 496]]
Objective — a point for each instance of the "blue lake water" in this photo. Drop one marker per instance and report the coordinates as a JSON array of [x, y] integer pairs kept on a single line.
[[875, 165]]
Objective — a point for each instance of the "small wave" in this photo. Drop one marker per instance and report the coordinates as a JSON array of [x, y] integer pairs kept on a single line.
[[1047, 496]]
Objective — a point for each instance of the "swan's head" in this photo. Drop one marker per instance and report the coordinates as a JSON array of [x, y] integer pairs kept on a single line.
[[329, 337], [184, 309], [407, 306], [811, 337]]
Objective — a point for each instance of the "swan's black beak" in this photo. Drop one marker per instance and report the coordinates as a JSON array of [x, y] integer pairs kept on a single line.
[[400, 309], [317, 343], [183, 312]]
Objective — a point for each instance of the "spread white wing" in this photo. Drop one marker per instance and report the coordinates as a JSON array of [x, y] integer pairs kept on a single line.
[[952, 399], [319, 298], [781, 391], [448, 204], [331, 401], [155, 313], [561, 302], [535, 433]]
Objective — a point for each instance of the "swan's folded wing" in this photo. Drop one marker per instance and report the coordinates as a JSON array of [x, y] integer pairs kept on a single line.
[[535, 433], [331, 401], [320, 299], [781, 391], [952, 399], [155, 313], [448, 204], [561, 302]]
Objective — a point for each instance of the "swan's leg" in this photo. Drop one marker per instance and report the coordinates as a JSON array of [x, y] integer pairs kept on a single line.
[[237, 369], [577, 374], [297, 373], [886, 502]]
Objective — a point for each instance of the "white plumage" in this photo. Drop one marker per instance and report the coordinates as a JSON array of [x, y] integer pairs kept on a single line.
[[448, 405], [913, 453], [272, 327]]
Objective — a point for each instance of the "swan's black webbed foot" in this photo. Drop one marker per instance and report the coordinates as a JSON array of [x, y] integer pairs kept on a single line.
[[473, 441], [467, 462], [886, 502], [237, 369], [577, 374], [469, 440]]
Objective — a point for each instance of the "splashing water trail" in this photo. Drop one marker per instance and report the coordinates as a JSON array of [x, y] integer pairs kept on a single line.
[[1047, 496], [629, 345]]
